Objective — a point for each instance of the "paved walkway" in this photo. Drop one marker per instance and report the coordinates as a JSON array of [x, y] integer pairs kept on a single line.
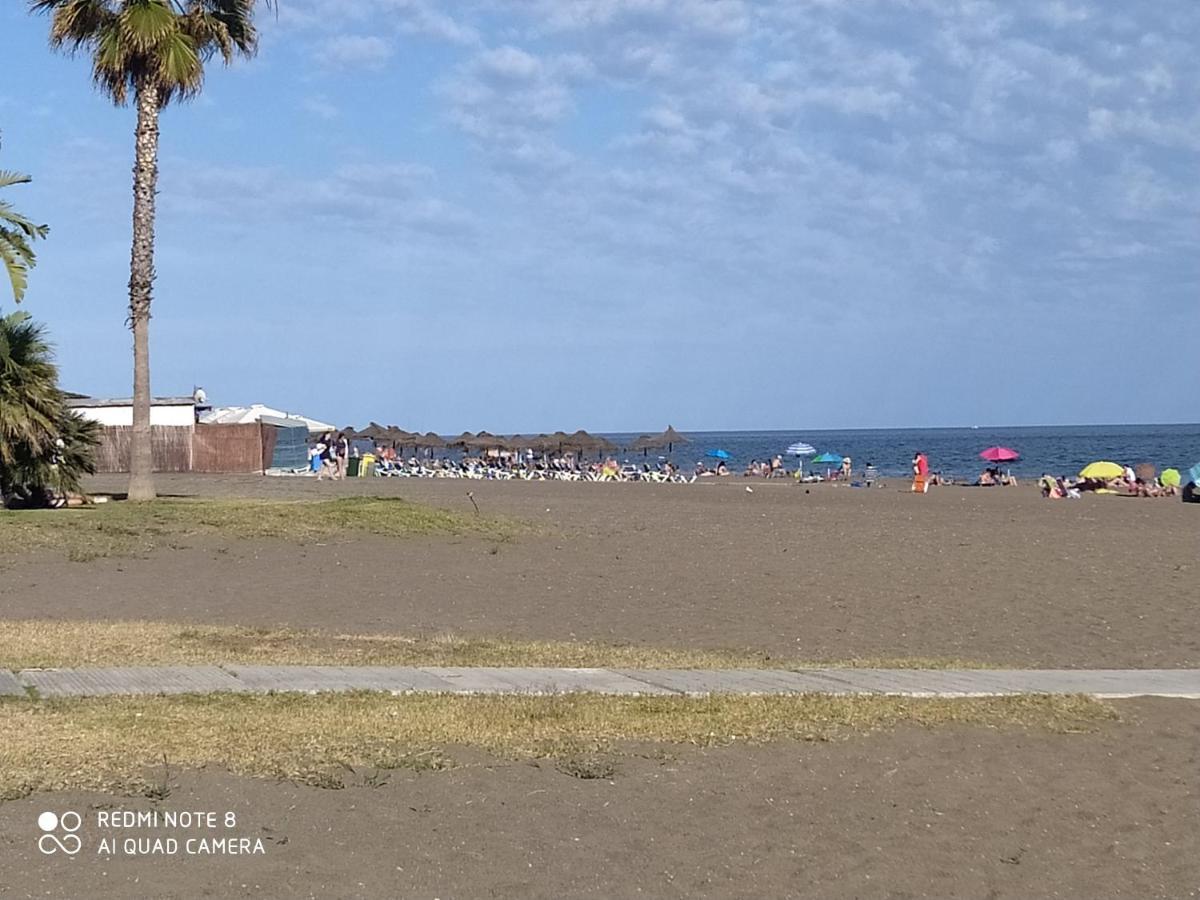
[[1103, 683]]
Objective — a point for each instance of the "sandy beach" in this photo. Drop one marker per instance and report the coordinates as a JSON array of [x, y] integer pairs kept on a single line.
[[818, 573], [951, 813], [983, 575]]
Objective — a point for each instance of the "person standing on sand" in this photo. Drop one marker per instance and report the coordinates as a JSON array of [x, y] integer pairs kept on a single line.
[[847, 468], [920, 467], [324, 453], [341, 450]]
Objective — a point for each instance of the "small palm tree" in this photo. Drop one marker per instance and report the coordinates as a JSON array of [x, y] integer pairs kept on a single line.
[[17, 235], [29, 397], [45, 448], [154, 50]]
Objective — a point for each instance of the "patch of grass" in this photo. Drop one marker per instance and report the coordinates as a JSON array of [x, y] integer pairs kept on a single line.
[[327, 740], [36, 644], [587, 766], [123, 529]]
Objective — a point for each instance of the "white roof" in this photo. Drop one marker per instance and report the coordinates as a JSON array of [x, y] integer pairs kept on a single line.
[[248, 415]]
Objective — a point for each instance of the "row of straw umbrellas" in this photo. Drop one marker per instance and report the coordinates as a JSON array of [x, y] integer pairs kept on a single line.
[[560, 441]]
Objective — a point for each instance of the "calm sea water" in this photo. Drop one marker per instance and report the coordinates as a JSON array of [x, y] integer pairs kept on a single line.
[[1059, 450]]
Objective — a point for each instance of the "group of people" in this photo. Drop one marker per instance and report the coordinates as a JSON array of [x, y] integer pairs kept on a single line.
[[514, 466], [767, 468], [1129, 484], [329, 457], [992, 476]]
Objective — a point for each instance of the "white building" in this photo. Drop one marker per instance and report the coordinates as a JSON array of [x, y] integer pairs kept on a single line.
[[176, 411]]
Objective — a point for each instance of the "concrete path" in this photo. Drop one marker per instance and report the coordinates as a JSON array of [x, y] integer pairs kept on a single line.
[[1102, 683]]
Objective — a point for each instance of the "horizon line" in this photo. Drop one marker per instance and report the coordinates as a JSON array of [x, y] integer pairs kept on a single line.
[[776, 430]]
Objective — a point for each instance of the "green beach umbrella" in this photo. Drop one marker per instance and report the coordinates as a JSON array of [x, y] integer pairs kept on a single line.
[[1170, 477], [828, 458]]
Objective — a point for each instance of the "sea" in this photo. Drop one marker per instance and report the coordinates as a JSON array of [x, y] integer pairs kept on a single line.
[[1052, 449]]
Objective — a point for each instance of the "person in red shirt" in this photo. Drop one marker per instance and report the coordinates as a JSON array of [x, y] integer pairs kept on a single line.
[[920, 465]]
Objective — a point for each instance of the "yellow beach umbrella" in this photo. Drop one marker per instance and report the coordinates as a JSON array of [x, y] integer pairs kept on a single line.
[[1102, 471], [1170, 477]]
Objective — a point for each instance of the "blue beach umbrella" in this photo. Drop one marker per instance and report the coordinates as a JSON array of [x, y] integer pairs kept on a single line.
[[718, 454], [1194, 473], [828, 458]]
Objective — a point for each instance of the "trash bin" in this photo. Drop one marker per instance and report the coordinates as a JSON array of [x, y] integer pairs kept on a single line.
[[352, 467]]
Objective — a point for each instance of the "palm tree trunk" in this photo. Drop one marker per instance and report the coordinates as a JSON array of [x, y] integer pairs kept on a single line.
[[141, 281]]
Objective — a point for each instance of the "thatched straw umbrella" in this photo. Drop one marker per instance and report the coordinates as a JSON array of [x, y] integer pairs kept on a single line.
[[668, 439], [431, 441], [672, 437], [485, 440], [642, 442], [398, 436], [582, 440]]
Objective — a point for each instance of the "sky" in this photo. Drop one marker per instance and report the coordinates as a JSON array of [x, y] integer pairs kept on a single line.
[[526, 215]]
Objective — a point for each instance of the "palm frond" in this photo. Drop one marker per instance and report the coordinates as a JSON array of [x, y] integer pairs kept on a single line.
[[146, 24], [161, 42], [10, 218], [29, 396], [18, 259], [8, 179], [17, 233], [178, 69], [75, 21], [44, 446]]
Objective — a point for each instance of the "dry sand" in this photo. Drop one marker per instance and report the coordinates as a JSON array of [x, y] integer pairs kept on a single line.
[[952, 813], [990, 575]]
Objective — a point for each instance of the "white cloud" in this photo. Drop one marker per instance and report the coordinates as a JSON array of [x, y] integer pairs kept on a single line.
[[354, 51], [963, 143], [366, 199], [422, 18], [1145, 126], [321, 107], [383, 17]]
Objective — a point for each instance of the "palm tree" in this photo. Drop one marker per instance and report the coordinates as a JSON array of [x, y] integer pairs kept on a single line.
[[154, 50], [44, 447], [29, 395], [17, 234]]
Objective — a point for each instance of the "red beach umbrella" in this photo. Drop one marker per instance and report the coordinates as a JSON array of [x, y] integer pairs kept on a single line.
[[999, 454]]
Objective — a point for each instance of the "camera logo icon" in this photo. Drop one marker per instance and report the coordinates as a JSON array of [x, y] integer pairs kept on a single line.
[[58, 833]]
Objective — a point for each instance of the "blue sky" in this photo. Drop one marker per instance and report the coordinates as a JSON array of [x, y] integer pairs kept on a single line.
[[526, 215]]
